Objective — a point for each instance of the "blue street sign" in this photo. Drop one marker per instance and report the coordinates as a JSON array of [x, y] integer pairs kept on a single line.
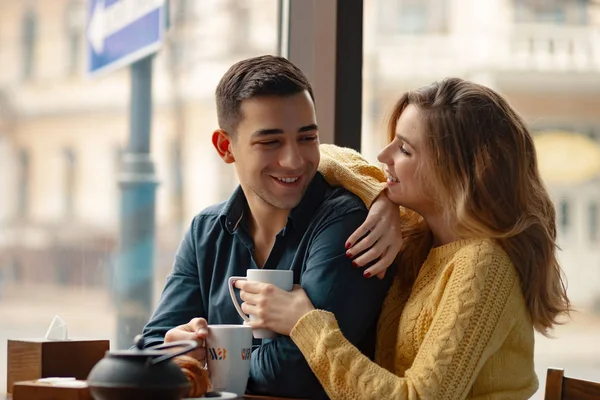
[[120, 32]]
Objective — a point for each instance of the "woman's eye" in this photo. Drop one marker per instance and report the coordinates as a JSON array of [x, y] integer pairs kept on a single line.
[[269, 143], [308, 139], [404, 151]]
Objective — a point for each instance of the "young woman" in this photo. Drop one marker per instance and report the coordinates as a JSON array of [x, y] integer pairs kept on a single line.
[[478, 271]]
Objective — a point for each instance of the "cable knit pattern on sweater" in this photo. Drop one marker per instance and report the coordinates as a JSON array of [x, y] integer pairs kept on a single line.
[[463, 332]]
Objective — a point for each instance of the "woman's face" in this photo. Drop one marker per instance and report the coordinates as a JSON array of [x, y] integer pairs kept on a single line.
[[404, 160]]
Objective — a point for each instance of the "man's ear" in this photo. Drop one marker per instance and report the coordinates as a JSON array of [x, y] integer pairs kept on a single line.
[[222, 142]]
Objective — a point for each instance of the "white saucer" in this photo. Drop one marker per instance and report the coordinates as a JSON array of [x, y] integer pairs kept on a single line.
[[224, 395]]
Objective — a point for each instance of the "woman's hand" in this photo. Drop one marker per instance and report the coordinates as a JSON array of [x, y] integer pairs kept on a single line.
[[383, 239], [273, 308]]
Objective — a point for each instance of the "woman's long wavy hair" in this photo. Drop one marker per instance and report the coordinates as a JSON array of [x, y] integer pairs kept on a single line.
[[483, 170]]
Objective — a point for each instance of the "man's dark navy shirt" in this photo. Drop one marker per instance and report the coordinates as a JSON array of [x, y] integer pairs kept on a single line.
[[218, 245]]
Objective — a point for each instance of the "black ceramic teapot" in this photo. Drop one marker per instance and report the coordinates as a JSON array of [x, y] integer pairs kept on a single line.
[[140, 373]]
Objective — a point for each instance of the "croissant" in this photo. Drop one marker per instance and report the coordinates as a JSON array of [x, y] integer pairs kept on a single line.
[[195, 374]]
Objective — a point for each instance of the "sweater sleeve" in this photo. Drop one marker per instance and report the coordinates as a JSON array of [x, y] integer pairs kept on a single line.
[[471, 322], [345, 167]]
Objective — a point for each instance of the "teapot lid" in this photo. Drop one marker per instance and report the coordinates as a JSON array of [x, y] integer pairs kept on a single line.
[[159, 353]]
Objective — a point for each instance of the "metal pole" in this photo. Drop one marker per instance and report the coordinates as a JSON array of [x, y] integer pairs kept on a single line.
[[283, 28], [133, 278]]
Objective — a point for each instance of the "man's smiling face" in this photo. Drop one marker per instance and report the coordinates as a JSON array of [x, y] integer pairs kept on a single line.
[[276, 149]]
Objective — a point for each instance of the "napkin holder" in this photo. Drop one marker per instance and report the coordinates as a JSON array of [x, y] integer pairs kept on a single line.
[[32, 359]]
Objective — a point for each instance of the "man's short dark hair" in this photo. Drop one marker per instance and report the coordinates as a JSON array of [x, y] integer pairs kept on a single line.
[[259, 76]]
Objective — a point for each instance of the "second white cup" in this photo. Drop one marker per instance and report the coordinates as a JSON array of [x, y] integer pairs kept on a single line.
[[283, 279], [228, 353]]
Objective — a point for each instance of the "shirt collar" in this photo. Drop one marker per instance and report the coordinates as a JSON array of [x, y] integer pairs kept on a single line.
[[233, 212], [299, 217]]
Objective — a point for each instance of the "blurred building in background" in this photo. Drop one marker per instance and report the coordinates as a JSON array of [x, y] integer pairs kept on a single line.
[[62, 133], [543, 55]]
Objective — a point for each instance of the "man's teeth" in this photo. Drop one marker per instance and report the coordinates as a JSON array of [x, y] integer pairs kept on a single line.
[[288, 180], [392, 179]]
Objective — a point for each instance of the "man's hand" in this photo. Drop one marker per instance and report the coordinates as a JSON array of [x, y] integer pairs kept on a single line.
[[196, 329], [383, 239]]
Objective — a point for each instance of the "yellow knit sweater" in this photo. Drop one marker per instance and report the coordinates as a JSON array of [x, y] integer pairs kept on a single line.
[[462, 332]]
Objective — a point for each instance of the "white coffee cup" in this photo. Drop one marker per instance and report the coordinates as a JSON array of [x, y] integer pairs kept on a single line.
[[283, 279], [228, 351]]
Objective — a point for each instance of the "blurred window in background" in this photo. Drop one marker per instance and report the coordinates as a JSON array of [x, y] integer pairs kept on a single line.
[[413, 17], [70, 170], [564, 215], [75, 26], [29, 32], [572, 12], [23, 183], [593, 223]]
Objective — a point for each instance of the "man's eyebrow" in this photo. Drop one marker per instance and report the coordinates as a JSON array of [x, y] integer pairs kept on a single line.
[[275, 131], [308, 128], [268, 132]]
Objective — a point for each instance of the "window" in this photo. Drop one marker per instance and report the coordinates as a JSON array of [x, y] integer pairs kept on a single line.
[[74, 53], [552, 11], [75, 19], [23, 183], [564, 215], [593, 221], [70, 163], [413, 16], [581, 11], [28, 38]]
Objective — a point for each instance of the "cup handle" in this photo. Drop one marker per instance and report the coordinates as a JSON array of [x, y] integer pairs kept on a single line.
[[234, 299], [190, 345]]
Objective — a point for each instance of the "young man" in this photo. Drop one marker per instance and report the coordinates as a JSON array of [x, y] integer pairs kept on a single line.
[[283, 215]]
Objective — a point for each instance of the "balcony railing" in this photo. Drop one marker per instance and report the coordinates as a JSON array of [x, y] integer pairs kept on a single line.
[[553, 48], [521, 47]]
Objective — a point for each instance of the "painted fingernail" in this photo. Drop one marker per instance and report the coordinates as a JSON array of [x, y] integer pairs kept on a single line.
[[348, 245], [354, 264], [367, 274], [348, 254]]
